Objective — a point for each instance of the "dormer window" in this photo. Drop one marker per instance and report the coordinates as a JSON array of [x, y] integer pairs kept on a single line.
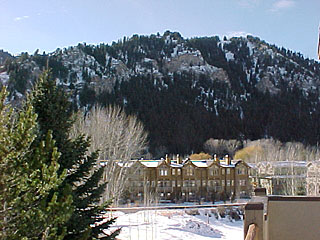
[[189, 171], [214, 171], [163, 171], [241, 171]]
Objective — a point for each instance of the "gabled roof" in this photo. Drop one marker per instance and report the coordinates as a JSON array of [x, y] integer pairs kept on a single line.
[[216, 163], [239, 161], [195, 163], [163, 162], [188, 162]]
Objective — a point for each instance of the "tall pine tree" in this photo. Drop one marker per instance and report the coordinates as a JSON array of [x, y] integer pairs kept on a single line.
[[29, 179], [84, 176]]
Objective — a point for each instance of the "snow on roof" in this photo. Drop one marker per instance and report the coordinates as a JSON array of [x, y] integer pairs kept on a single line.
[[226, 165], [292, 163], [200, 163], [151, 163], [156, 163], [124, 164], [284, 163], [252, 165], [233, 163], [176, 165]]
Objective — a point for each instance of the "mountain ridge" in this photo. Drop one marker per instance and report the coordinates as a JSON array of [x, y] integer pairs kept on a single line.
[[205, 87]]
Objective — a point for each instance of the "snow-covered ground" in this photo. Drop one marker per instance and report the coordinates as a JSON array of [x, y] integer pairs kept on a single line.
[[174, 225]]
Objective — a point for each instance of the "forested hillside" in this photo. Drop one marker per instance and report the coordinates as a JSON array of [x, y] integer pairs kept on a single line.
[[186, 91]]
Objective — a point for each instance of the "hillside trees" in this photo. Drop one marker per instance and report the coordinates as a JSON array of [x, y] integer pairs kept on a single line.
[[83, 175], [119, 137], [200, 156], [29, 178], [268, 92], [222, 147]]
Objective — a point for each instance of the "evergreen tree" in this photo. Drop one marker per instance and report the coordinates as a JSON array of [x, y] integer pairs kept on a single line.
[[55, 114], [29, 179]]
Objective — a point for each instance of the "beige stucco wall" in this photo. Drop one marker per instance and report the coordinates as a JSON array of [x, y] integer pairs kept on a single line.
[[294, 220]]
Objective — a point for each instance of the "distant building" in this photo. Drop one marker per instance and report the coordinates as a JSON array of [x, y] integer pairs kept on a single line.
[[313, 178], [280, 177], [188, 180]]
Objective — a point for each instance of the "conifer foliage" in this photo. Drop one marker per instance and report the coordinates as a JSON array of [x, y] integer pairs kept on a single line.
[[29, 179], [55, 114]]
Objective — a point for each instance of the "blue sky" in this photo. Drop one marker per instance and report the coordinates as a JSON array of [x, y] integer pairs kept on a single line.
[[49, 24]]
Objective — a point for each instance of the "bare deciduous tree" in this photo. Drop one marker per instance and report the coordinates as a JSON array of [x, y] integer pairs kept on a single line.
[[221, 146], [119, 137], [273, 150]]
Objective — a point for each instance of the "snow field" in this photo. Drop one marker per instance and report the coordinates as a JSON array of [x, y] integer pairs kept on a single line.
[[175, 225]]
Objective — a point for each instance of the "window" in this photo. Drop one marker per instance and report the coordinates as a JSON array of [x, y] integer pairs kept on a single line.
[[179, 171], [189, 171], [243, 193], [173, 183], [210, 183], [228, 170], [160, 183], [232, 182], [186, 183], [163, 171], [179, 183], [241, 171], [222, 182], [228, 182], [223, 171], [242, 182], [193, 183], [214, 171], [173, 171], [204, 183]]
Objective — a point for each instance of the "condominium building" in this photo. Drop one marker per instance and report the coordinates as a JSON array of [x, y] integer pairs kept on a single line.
[[188, 180]]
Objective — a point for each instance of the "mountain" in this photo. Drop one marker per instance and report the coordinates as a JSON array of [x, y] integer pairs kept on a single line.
[[4, 56], [187, 90]]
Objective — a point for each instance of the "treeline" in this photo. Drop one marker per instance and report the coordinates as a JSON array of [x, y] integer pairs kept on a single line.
[[179, 119], [50, 186]]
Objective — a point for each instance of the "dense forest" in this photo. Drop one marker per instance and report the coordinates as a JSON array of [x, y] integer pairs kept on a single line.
[[186, 91]]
